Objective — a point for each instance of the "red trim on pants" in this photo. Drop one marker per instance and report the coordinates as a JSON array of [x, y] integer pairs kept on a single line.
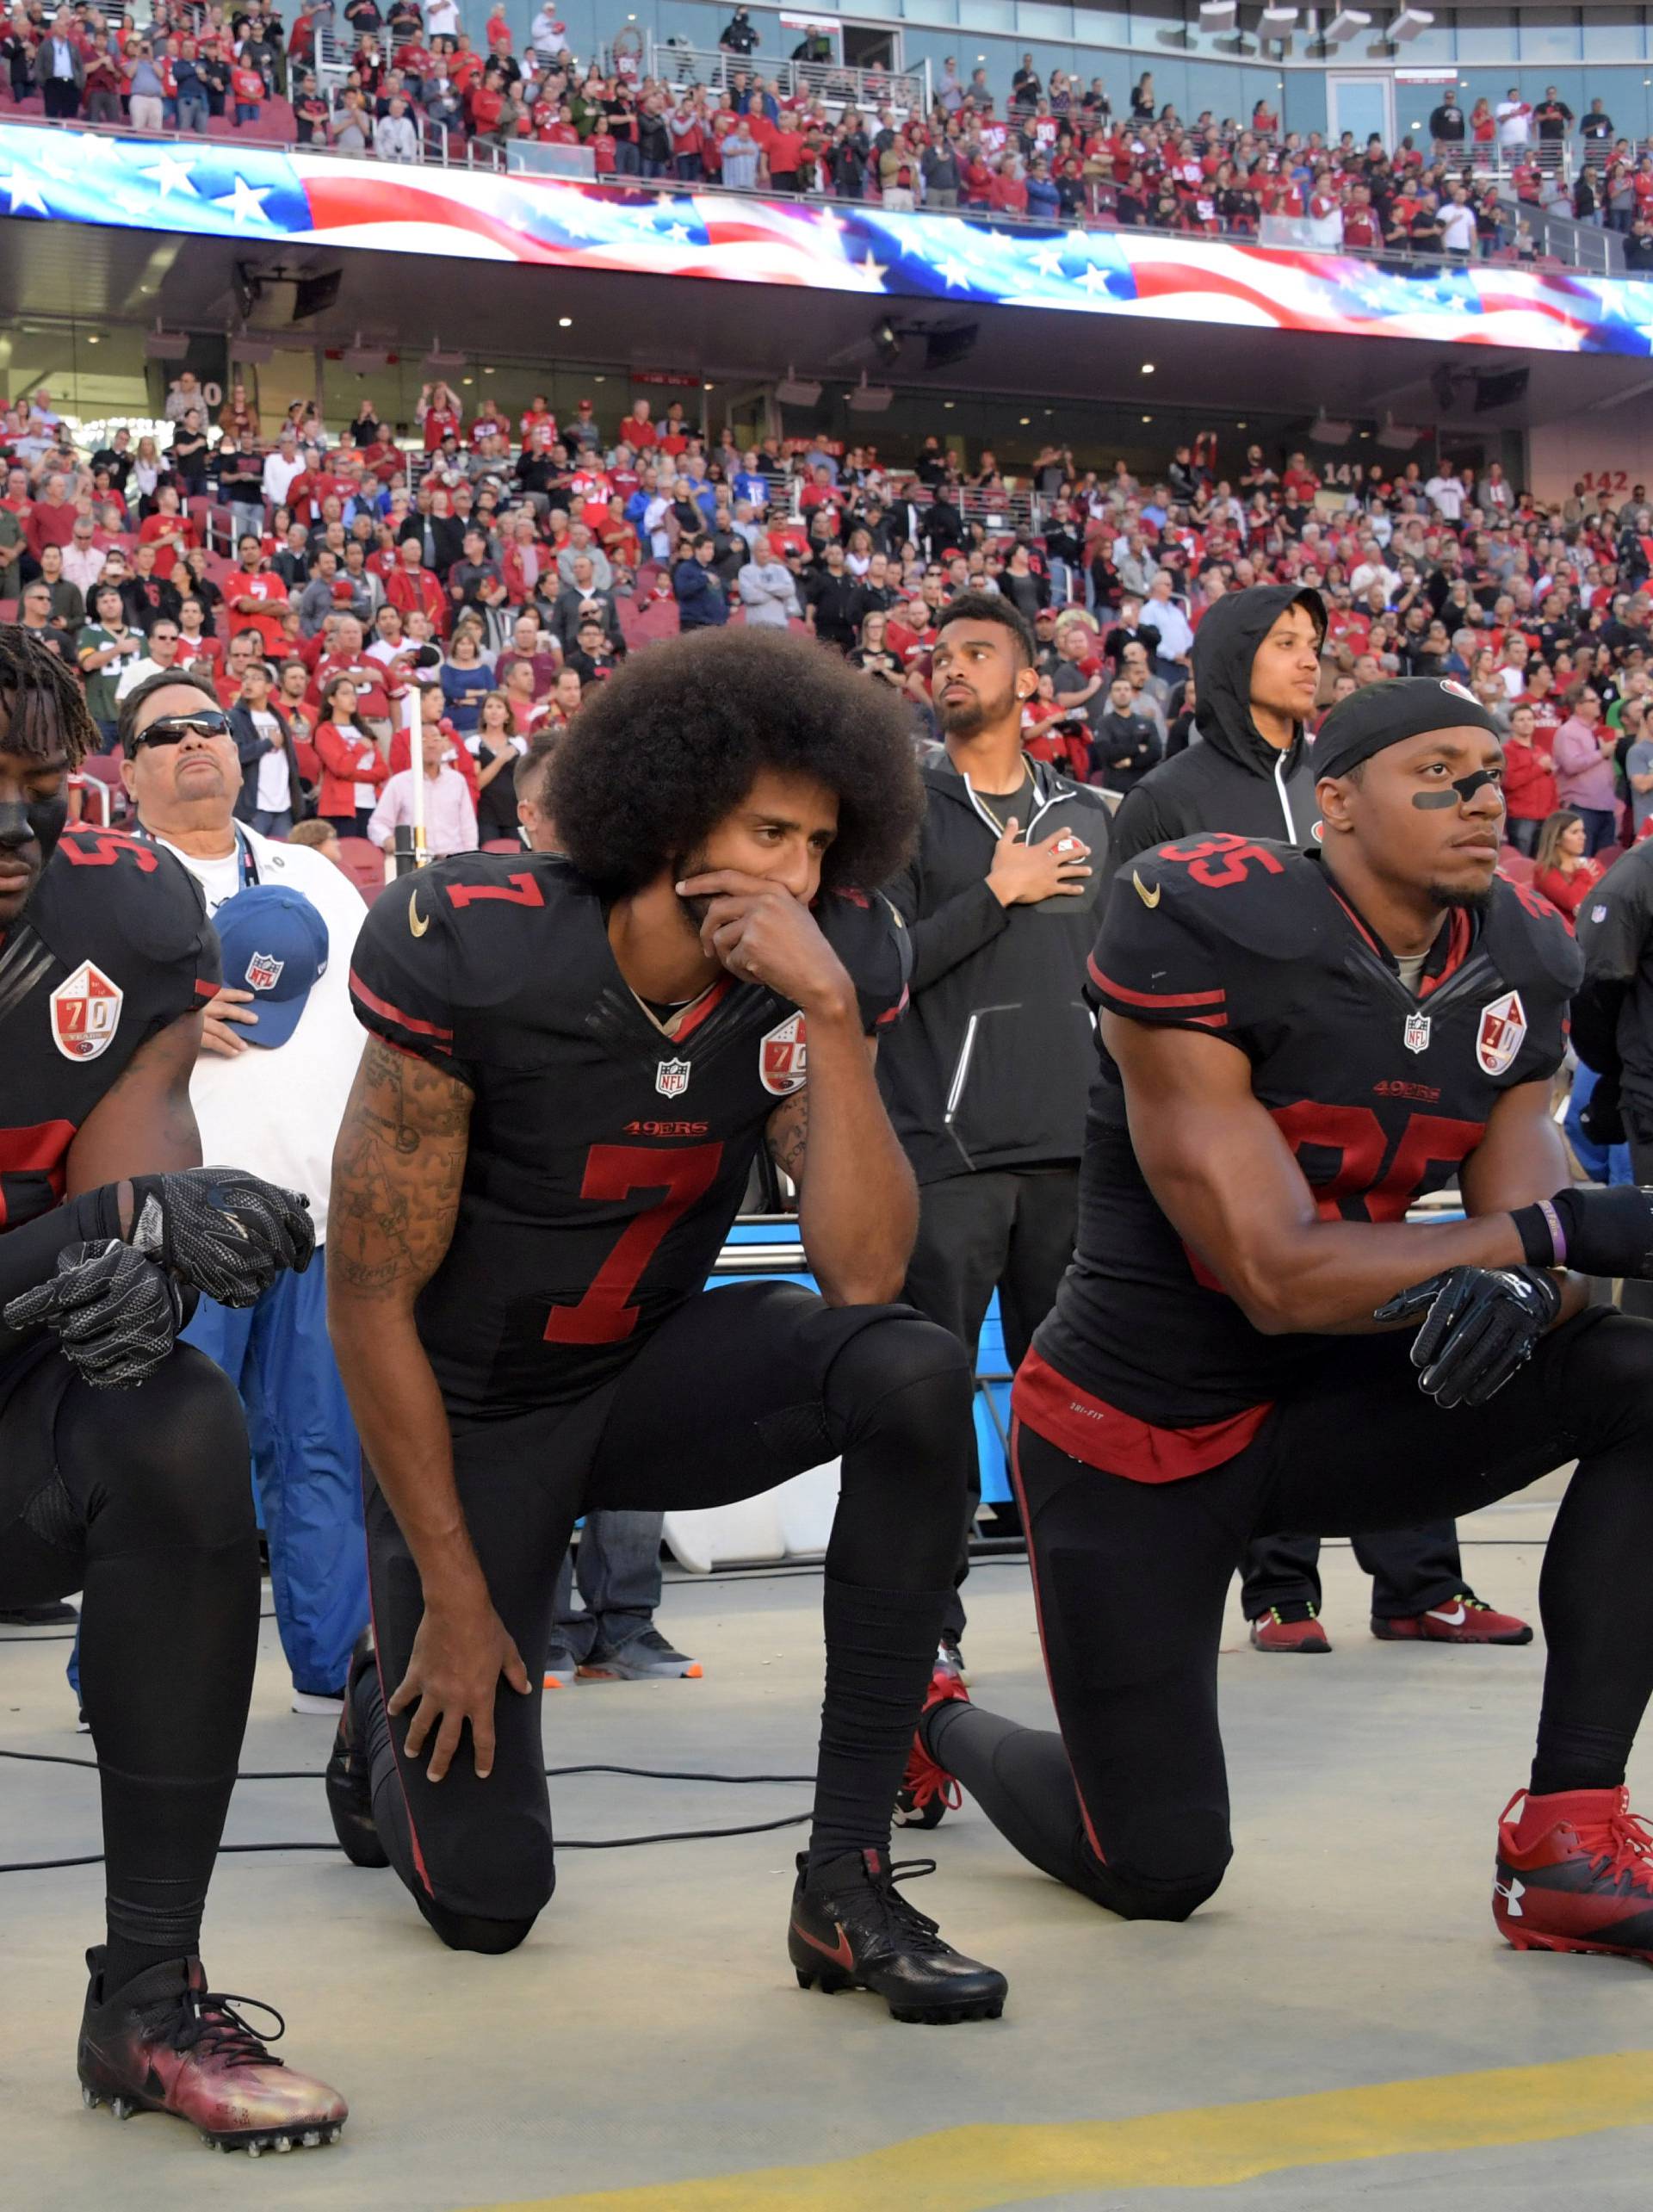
[[1038, 1620], [1100, 1435]]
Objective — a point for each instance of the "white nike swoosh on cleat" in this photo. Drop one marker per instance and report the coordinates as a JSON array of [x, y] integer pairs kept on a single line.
[[1455, 1619]]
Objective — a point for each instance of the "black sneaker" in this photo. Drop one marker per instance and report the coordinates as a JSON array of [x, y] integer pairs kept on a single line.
[[348, 1780], [54, 1613], [851, 1929]]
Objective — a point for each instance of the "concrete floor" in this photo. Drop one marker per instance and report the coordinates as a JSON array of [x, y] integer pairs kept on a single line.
[[1345, 1996]]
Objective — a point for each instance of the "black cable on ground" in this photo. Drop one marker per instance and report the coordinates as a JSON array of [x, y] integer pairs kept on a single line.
[[564, 1842]]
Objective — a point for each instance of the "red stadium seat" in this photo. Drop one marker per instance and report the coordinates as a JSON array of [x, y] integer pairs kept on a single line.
[[105, 767], [502, 844], [364, 865]]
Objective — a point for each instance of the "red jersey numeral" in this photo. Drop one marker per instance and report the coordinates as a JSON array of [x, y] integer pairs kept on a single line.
[[1238, 855], [1356, 1135], [525, 892], [102, 848], [685, 1173]]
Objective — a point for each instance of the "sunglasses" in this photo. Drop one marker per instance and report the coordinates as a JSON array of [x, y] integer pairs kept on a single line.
[[171, 729]]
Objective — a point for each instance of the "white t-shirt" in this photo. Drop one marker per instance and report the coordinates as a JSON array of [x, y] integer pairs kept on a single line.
[[1446, 495], [1457, 227], [273, 793], [278, 1110], [1514, 118], [442, 19]]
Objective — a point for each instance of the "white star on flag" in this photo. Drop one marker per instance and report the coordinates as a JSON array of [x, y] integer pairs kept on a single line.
[[1047, 260], [246, 203], [676, 234], [24, 191], [875, 269], [1094, 280], [953, 273], [170, 175]]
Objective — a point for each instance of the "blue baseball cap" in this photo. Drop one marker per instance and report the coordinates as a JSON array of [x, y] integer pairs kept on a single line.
[[274, 944]]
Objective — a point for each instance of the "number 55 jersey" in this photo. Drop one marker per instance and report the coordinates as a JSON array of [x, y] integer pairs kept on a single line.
[[1146, 1365], [610, 1150]]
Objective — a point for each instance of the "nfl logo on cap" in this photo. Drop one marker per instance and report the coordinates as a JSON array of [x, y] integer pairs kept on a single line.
[[274, 944]]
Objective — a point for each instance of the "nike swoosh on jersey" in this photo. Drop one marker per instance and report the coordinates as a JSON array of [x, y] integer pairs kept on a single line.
[[1148, 898], [415, 923], [840, 1953]]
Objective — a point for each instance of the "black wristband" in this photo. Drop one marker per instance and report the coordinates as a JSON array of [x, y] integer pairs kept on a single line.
[[1543, 1244]]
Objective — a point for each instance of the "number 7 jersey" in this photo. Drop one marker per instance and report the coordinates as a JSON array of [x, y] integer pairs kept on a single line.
[[607, 1158], [1381, 1095]]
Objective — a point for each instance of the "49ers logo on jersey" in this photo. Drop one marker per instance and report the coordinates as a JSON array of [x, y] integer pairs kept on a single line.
[[783, 1058], [85, 1012], [1502, 1034]]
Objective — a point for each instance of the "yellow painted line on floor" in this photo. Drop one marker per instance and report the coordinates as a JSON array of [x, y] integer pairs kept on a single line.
[[971, 2169]]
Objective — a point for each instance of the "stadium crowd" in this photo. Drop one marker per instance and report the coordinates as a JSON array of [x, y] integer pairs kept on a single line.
[[522, 560], [410, 85]]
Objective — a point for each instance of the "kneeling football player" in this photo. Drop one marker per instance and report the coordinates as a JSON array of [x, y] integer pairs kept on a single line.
[[138, 1496], [572, 1062], [1294, 1047]]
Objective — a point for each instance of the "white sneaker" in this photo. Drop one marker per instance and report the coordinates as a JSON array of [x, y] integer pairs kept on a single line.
[[323, 1708]]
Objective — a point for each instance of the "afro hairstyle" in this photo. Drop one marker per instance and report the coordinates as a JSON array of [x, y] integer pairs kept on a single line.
[[671, 744]]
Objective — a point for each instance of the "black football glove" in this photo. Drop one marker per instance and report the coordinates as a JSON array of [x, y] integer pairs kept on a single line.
[[227, 1232], [1480, 1325], [115, 1314], [1598, 1230], [1603, 1119]]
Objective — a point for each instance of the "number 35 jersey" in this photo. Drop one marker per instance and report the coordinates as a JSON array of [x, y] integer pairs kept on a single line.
[[1379, 1092], [607, 1158]]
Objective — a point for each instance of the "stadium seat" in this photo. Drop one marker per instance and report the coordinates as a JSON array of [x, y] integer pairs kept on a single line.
[[502, 844], [105, 767], [364, 865]]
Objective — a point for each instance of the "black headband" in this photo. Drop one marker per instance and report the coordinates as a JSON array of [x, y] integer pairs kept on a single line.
[[1383, 714]]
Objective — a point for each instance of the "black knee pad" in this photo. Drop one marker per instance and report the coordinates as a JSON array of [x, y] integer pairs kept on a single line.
[[174, 1451], [901, 1374], [470, 1931], [1126, 1893]]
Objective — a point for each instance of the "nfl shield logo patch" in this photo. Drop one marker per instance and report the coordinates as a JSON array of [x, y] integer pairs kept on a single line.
[[1502, 1034], [85, 1013], [672, 1078], [1598, 913], [782, 1058], [264, 971], [1415, 1035]]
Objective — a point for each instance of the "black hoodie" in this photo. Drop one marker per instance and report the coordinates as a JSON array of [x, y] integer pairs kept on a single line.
[[1230, 777], [993, 1063]]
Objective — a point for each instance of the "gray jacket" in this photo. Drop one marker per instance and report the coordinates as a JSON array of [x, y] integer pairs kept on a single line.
[[769, 591]]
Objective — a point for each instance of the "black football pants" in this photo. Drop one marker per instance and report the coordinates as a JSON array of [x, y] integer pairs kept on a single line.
[[1411, 1570], [738, 1389], [143, 1500], [1130, 1803], [1007, 1230]]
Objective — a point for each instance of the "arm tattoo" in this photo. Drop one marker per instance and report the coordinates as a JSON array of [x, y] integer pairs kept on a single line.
[[397, 1168], [788, 1137]]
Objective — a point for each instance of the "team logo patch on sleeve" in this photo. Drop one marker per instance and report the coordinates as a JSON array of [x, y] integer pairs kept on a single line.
[[1502, 1034], [781, 1057], [672, 1078], [264, 971], [85, 1012]]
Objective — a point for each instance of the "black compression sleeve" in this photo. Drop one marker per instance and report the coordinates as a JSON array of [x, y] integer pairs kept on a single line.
[[28, 1255]]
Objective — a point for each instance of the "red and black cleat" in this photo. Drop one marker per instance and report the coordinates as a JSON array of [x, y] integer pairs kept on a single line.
[[1290, 1628], [167, 2043], [928, 1790], [1576, 1873], [348, 1780], [851, 1929], [1465, 1619]]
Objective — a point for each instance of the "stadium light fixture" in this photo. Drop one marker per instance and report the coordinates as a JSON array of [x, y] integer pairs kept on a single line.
[[1396, 437], [1278, 22], [1326, 431], [165, 346], [1411, 23], [795, 391], [1218, 15], [438, 360], [253, 351], [1347, 23], [365, 358]]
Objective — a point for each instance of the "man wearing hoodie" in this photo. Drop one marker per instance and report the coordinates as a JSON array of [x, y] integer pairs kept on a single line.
[[986, 1078], [1256, 662]]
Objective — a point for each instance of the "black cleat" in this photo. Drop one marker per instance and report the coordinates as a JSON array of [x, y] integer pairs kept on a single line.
[[851, 1929], [349, 1784]]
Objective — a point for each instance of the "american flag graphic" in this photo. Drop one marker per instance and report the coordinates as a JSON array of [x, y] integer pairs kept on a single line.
[[213, 187]]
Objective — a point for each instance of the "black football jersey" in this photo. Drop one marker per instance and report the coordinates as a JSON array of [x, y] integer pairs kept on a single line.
[[114, 944], [607, 1159], [1380, 1093]]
